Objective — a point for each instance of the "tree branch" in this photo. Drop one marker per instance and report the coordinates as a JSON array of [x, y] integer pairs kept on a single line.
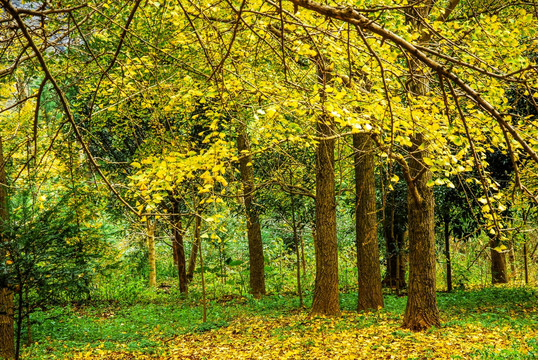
[[63, 100], [353, 17]]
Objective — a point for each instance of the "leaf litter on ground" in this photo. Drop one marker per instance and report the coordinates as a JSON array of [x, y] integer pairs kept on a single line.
[[492, 323]]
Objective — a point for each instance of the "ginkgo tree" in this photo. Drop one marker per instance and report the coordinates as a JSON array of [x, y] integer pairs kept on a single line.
[[423, 85]]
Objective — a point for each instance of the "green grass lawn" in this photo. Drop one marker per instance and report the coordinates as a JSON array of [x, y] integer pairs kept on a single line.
[[493, 323]]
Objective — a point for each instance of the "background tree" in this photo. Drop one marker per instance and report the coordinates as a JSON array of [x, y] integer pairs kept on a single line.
[[255, 244], [7, 343]]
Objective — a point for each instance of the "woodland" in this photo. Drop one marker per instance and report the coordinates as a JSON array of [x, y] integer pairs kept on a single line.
[[278, 179]]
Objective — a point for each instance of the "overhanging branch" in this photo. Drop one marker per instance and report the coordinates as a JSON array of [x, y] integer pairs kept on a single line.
[[352, 16]]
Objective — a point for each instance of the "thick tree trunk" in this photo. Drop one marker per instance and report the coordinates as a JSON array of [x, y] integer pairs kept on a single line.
[[179, 247], [447, 255], [370, 292], [421, 311], [7, 341], [195, 247], [151, 253], [498, 265], [326, 284], [254, 234]]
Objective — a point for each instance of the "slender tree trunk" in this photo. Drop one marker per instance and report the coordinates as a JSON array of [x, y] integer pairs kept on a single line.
[[498, 264], [195, 247], [390, 243], [447, 255], [296, 244], [421, 311], [369, 271], [204, 314], [526, 263], [326, 284], [174, 247], [299, 286], [151, 252], [28, 323], [179, 247], [254, 234], [7, 333], [512, 258], [395, 274], [402, 258]]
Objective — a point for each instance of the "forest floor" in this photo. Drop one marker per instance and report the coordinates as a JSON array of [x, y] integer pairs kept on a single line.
[[487, 323]]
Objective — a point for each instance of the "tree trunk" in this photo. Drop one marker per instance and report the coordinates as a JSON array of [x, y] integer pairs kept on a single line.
[[421, 311], [394, 237], [298, 258], [7, 333], [498, 264], [325, 300], [296, 244], [195, 247], [512, 258], [370, 292], [204, 302], [174, 247], [179, 247], [151, 253], [447, 255], [526, 263], [7, 341], [254, 234]]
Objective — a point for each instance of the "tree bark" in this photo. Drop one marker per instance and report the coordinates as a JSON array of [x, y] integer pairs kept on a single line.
[[179, 247], [421, 311], [369, 271], [498, 264], [7, 338], [325, 300], [195, 247], [151, 253], [7, 332], [254, 234]]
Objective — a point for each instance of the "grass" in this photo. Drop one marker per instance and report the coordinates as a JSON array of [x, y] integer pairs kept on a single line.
[[490, 323]]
